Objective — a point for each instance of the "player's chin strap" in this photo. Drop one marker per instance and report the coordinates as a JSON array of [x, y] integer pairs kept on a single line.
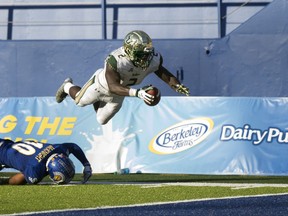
[[180, 88]]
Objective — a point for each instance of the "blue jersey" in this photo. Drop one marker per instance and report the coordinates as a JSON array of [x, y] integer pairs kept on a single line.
[[30, 157]]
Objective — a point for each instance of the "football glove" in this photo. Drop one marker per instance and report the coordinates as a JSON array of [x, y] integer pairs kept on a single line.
[[141, 93], [180, 88], [87, 173]]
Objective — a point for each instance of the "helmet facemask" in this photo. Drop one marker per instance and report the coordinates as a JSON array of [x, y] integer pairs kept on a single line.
[[138, 47]]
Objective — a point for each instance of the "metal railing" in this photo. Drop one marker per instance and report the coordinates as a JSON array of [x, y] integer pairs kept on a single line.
[[221, 10]]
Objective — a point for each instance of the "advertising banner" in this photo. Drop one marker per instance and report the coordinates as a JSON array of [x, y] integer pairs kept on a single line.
[[189, 135]]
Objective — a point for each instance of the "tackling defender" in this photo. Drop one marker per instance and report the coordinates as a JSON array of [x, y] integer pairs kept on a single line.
[[36, 160], [124, 67]]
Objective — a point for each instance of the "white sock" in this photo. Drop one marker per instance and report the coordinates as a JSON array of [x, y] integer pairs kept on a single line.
[[67, 86]]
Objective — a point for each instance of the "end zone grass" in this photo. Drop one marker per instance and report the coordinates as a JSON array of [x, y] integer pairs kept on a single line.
[[107, 190]]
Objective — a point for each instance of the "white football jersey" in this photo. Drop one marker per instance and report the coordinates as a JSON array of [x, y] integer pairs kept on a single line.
[[129, 74]]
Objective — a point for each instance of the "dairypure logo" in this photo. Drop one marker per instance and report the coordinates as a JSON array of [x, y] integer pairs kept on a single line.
[[181, 136], [256, 136]]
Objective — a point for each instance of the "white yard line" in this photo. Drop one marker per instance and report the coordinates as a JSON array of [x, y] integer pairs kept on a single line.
[[204, 184], [193, 184]]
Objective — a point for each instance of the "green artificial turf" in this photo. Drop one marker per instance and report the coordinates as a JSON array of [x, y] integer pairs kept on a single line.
[[115, 190]]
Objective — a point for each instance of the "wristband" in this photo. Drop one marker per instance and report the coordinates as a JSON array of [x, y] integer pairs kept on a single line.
[[132, 92]]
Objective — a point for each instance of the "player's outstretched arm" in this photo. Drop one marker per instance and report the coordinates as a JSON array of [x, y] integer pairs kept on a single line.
[[172, 81], [17, 179], [80, 155], [180, 88], [87, 173], [113, 81]]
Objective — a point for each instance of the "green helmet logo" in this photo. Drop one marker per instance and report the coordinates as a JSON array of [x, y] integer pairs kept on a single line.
[[138, 46]]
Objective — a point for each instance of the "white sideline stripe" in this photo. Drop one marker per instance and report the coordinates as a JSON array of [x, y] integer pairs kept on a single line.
[[185, 184], [192, 184], [148, 204], [204, 184]]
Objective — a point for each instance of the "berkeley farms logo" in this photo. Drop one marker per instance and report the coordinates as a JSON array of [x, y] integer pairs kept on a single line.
[[181, 136]]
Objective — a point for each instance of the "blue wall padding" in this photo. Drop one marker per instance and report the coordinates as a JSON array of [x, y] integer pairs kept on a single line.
[[251, 61]]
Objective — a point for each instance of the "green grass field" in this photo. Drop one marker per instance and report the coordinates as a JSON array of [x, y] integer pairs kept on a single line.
[[116, 190]]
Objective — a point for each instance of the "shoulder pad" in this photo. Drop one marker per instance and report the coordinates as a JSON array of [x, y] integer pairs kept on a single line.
[[111, 60]]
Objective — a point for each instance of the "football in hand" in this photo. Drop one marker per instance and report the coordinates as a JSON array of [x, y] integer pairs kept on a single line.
[[157, 95]]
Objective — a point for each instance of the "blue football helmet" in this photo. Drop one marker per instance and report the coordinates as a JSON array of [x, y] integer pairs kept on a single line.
[[60, 168]]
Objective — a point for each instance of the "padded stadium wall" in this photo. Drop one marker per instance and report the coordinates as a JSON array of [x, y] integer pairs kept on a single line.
[[250, 61], [205, 135]]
